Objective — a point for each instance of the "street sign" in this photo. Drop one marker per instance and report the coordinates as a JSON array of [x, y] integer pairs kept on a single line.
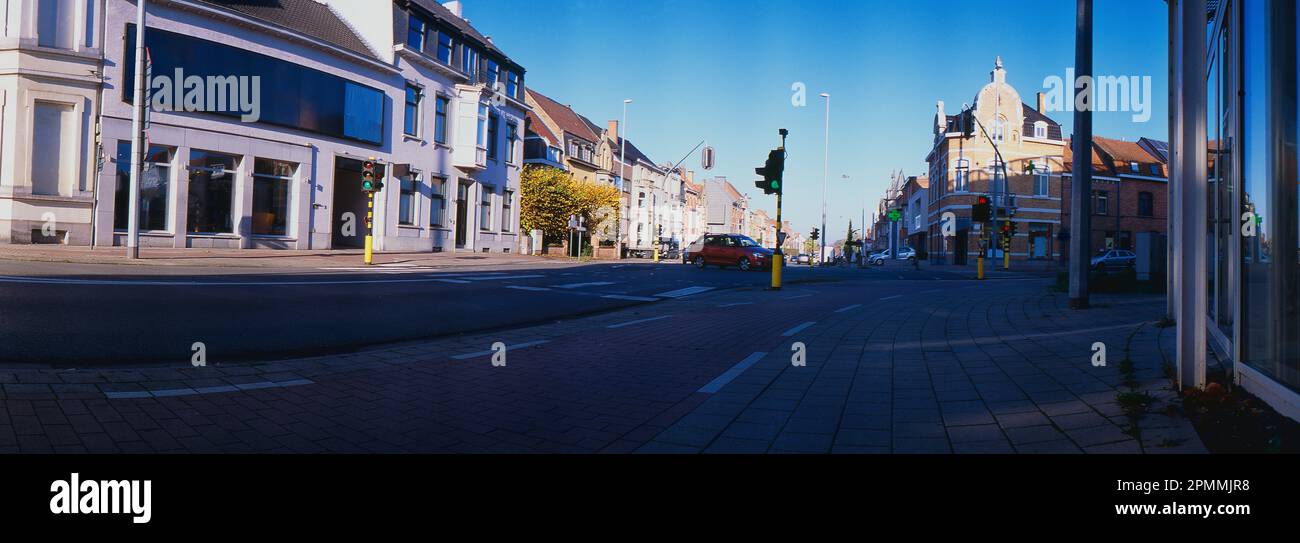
[[780, 238], [708, 158], [895, 216]]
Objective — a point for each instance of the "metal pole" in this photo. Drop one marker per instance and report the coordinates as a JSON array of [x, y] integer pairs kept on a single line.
[[1192, 189], [826, 166], [622, 157], [137, 138], [1081, 193]]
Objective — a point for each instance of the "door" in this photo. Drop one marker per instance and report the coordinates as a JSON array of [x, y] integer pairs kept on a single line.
[[959, 248], [462, 215]]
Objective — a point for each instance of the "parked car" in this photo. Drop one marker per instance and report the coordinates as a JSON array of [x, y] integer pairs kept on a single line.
[[727, 250], [1114, 260], [904, 253], [805, 259]]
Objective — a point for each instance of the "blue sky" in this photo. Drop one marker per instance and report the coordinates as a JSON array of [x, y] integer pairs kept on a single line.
[[722, 71]]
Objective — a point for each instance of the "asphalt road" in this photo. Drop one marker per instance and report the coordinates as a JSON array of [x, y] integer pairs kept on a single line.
[[82, 319]]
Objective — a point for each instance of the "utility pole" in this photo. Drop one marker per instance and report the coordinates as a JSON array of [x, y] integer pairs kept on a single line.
[[138, 140], [1081, 192], [826, 166], [622, 157]]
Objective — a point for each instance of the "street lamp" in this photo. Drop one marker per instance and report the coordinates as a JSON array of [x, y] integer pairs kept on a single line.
[[826, 165], [622, 153]]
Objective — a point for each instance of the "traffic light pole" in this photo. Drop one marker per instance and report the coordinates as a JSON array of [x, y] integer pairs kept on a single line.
[[370, 228], [138, 141], [778, 258]]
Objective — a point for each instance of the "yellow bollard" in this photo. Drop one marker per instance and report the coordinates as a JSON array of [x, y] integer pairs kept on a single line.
[[370, 250], [979, 267], [1006, 259], [776, 272]]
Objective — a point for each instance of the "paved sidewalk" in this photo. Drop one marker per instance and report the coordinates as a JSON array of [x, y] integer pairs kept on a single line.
[[265, 259]]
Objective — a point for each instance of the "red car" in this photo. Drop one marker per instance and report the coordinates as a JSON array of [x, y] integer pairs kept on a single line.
[[726, 250]]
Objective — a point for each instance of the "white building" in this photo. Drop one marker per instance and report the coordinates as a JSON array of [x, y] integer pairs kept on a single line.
[[49, 110], [339, 85]]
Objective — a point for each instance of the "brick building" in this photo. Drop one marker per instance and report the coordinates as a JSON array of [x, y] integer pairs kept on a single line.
[[1130, 189]]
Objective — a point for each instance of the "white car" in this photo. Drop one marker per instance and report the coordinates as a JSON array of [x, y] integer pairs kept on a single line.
[[904, 253]]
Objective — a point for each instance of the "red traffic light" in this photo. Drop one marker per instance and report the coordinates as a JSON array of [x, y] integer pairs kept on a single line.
[[984, 200]]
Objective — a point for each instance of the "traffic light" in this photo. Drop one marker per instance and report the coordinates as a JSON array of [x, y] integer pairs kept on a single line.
[[772, 172], [982, 211], [967, 122], [1015, 228], [368, 183], [816, 234]]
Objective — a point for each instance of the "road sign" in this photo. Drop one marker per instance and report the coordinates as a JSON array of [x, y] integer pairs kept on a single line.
[[708, 158], [780, 238]]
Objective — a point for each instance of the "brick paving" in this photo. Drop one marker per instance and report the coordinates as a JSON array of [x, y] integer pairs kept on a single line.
[[951, 366]]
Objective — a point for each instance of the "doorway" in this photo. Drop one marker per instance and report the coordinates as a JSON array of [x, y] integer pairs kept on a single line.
[[462, 214], [349, 213], [959, 248]]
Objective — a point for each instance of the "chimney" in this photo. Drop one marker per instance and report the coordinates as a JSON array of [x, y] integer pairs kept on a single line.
[[940, 119], [456, 8], [1042, 102], [612, 128]]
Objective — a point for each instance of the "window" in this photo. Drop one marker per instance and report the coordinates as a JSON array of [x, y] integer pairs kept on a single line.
[[302, 98], [271, 180], [153, 188], [1042, 178], [512, 134], [468, 60], [1146, 204], [493, 143], [1099, 201], [438, 202], [1133, 166], [406, 200], [444, 48], [440, 119], [507, 202], [1155, 170], [996, 172], [212, 193], [491, 74], [485, 210], [416, 34], [55, 24], [414, 95], [963, 175], [54, 127], [512, 85], [1040, 130], [999, 129], [482, 125]]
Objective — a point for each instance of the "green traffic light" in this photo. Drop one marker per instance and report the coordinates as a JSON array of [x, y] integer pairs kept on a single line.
[[367, 185]]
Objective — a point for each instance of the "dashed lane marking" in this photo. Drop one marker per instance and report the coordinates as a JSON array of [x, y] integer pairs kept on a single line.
[[737, 304], [630, 298], [636, 322], [175, 392], [530, 289], [796, 297], [730, 375], [888, 298], [584, 285], [847, 309], [480, 354], [797, 329]]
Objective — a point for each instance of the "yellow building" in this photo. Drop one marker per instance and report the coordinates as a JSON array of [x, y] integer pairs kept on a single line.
[[964, 167]]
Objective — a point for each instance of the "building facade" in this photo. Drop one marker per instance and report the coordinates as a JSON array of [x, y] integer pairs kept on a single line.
[[1130, 195], [49, 119], [1026, 189], [436, 104], [727, 208]]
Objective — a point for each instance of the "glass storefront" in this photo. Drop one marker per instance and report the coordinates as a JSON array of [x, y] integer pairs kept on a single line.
[[212, 193], [1262, 59], [154, 181]]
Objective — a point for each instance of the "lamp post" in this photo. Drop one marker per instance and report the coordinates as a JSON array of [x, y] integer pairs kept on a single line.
[[826, 166], [137, 138], [622, 154]]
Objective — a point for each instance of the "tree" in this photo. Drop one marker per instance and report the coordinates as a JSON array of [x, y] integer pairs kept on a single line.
[[549, 196]]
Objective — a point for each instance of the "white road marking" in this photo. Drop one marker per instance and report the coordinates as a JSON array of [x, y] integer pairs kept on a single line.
[[453, 281], [682, 293], [583, 285], [737, 304], [174, 392], [891, 298], [630, 298], [489, 352], [797, 329], [530, 289], [730, 375], [799, 296], [642, 321], [849, 308], [504, 278]]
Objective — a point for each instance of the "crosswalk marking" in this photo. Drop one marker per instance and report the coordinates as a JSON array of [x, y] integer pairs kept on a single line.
[[682, 293]]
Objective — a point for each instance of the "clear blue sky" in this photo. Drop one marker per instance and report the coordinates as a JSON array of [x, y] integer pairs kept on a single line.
[[721, 71]]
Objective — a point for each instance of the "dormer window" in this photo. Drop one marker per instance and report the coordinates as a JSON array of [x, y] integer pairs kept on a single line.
[[1040, 130], [1155, 170], [1133, 166], [415, 35], [444, 48]]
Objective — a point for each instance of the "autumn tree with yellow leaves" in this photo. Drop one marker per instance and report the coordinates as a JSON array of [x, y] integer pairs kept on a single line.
[[549, 196]]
